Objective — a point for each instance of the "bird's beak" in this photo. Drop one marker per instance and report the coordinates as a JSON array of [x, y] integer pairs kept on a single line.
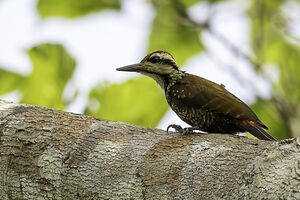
[[132, 68]]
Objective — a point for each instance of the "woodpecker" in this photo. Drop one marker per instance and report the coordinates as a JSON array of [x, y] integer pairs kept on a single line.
[[201, 103]]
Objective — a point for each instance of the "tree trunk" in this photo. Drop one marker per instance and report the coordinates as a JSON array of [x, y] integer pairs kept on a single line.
[[51, 154]]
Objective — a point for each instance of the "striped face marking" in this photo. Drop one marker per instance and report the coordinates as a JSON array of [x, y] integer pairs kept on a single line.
[[161, 57], [161, 66]]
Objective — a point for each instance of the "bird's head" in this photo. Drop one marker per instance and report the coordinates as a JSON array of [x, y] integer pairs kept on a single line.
[[159, 65]]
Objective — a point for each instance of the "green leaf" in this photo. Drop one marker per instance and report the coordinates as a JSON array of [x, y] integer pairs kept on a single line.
[[189, 3], [271, 45], [268, 40], [269, 116], [137, 101], [53, 67], [74, 8], [9, 81], [171, 32]]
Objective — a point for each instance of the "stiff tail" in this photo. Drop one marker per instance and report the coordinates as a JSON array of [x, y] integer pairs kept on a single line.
[[255, 130]]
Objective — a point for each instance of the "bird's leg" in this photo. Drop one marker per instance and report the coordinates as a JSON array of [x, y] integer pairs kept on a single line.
[[179, 129]]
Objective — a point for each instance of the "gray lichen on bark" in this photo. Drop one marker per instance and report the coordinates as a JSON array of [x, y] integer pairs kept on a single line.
[[50, 154]]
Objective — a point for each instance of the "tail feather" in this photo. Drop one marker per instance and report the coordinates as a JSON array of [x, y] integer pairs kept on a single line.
[[256, 131], [262, 125]]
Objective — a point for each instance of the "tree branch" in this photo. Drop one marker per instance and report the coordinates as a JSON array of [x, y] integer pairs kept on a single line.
[[51, 154]]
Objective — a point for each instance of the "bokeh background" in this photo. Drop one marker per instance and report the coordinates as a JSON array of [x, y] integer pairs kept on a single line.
[[63, 55]]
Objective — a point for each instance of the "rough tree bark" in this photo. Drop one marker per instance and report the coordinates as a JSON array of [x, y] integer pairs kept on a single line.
[[51, 154]]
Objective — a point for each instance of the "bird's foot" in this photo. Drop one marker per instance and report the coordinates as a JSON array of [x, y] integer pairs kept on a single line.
[[179, 129]]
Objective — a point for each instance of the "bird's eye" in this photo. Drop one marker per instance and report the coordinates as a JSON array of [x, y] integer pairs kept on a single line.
[[154, 59]]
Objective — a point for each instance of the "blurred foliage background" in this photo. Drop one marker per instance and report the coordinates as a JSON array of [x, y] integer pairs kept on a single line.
[[139, 100]]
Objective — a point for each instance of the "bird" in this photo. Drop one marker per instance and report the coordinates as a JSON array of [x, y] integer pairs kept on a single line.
[[204, 105]]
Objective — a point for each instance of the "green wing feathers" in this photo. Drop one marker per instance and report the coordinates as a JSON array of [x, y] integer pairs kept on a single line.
[[213, 97]]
